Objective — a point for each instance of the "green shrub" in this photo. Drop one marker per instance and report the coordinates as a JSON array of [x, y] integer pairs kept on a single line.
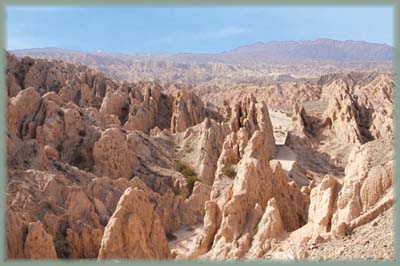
[[187, 172], [184, 169], [190, 181], [229, 171]]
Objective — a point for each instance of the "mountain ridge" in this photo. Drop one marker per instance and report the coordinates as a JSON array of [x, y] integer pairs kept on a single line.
[[319, 41]]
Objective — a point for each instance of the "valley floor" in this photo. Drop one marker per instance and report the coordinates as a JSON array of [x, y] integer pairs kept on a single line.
[[372, 241]]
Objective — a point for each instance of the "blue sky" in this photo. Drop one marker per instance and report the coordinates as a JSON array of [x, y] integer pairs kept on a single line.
[[196, 29]]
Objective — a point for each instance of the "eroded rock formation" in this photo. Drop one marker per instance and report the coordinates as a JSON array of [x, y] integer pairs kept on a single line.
[[117, 170], [134, 231]]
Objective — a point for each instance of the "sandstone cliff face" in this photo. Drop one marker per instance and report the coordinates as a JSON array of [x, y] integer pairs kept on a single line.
[[342, 115], [134, 231], [188, 110]]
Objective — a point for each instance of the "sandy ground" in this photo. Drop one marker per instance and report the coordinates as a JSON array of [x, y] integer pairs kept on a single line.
[[281, 124], [186, 239], [372, 241], [286, 157]]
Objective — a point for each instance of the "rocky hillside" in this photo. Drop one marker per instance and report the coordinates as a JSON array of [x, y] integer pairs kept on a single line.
[[256, 63], [106, 169]]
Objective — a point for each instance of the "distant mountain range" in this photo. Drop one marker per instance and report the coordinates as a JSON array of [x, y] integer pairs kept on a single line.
[[320, 50], [252, 63]]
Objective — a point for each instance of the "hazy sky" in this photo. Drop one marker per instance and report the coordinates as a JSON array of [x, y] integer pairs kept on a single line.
[[178, 29]]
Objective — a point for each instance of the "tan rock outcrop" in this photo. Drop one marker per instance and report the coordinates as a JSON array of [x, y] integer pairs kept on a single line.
[[212, 220], [54, 97], [341, 116], [322, 205], [134, 231], [248, 119], [112, 156], [269, 227], [193, 208], [251, 115], [154, 110], [21, 109], [188, 110], [202, 144], [243, 200], [114, 102], [232, 149], [38, 243]]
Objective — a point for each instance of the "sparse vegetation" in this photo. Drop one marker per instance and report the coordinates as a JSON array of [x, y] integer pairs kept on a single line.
[[104, 220], [79, 159], [123, 117], [190, 181], [59, 147], [60, 113], [189, 149], [187, 172], [176, 192], [229, 171], [62, 246], [82, 133], [183, 169], [170, 236]]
